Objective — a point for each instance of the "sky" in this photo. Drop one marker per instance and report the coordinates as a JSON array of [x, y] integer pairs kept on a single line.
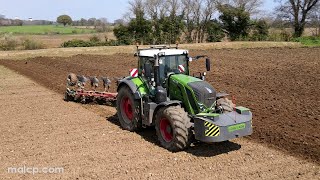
[[77, 9]]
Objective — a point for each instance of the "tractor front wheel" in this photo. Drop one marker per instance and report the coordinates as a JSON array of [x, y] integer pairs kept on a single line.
[[172, 128], [128, 110]]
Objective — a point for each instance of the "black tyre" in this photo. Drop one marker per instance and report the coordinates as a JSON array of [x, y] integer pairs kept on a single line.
[[226, 104], [128, 110], [67, 97], [172, 127], [72, 79]]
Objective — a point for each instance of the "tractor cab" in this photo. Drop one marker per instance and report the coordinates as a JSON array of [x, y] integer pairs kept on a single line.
[[163, 62]]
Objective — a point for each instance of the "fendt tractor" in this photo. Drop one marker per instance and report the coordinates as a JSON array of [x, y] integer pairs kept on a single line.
[[182, 108], [164, 95]]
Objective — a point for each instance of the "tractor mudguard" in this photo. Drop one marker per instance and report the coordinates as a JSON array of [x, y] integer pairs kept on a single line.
[[222, 127], [134, 84], [151, 108], [167, 103]]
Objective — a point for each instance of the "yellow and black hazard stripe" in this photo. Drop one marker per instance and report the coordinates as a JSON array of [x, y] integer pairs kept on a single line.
[[212, 130]]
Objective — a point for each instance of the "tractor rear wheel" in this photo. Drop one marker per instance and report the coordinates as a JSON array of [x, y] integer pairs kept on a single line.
[[172, 127], [128, 110]]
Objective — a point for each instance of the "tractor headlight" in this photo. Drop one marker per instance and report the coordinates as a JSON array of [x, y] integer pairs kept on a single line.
[[202, 107]]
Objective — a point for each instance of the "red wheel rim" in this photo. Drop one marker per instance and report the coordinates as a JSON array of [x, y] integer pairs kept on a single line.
[[166, 129], [127, 107]]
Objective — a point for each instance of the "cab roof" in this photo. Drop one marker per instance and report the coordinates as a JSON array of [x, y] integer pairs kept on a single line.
[[167, 52]]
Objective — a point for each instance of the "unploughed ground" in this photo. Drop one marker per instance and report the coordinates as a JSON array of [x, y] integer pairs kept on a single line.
[[280, 85], [109, 50], [39, 129], [55, 41]]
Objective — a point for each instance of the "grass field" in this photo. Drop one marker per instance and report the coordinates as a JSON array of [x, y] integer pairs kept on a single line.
[[44, 29], [309, 41], [307, 31], [55, 40]]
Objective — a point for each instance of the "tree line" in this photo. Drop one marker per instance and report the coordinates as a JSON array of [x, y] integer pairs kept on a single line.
[[197, 21], [18, 22]]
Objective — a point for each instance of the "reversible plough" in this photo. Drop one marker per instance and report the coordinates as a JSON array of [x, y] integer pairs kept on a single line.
[[76, 90]]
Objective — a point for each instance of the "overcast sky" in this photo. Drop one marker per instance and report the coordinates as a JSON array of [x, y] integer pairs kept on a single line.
[[50, 9]]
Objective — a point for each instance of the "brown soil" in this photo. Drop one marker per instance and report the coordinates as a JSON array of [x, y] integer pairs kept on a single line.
[[38, 129], [55, 41], [280, 85]]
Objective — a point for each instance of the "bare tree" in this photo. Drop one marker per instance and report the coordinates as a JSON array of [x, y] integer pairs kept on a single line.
[[173, 6], [175, 21], [190, 16], [197, 14], [104, 20], [251, 6], [187, 6], [207, 13], [155, 9], [315, 20], [197, 10], [298, 12], [136, 7]]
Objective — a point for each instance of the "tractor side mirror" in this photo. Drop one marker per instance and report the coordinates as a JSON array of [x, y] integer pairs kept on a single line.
[[147, 70], [208, 64]]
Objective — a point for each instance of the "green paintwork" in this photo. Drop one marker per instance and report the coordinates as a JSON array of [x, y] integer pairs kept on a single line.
[[141, 85], [184, 79], [236, 127], [208, 114], [177, 90], [242, 110]]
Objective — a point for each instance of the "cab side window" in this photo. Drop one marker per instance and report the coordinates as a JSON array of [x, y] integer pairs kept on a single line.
[[142, 61], [141, 64]]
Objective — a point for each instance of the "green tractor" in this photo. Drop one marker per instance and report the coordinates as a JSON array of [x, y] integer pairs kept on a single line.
[[161, 93]]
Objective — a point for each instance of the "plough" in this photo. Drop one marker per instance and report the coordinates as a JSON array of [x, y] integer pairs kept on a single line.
[[75, 90]]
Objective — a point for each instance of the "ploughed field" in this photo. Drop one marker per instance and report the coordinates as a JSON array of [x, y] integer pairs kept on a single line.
[[280, 85]]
